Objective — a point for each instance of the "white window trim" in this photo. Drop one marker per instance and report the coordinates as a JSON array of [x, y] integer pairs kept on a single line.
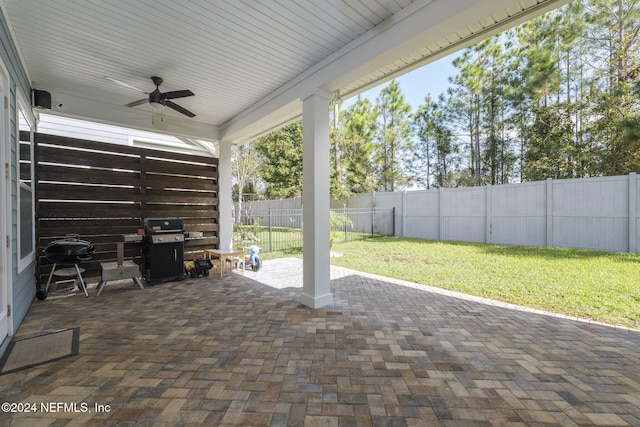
[[27, 260]]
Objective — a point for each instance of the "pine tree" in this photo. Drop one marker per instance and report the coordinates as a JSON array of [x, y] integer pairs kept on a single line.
[[359, 126], [615, 51], [435, 154], [393, 142]]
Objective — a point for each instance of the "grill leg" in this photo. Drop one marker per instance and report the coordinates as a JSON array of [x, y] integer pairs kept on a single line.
[[46, 289], [135, 279], [100, 286], [84, 285]]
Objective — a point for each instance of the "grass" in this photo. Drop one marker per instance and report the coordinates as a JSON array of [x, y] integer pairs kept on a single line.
[[598, 285]]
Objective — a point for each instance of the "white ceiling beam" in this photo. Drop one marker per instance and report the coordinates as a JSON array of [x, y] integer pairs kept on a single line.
[[135, 118]]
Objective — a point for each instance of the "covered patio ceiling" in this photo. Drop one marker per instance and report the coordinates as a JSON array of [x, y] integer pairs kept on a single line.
[[249, 63]]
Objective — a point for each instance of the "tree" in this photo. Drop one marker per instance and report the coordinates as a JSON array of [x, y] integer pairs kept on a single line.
[[550, 149], [339, 189], [281, 161], [435, 153], [245, 167], [393, 142], [467, 104], [498, 156], [359, 124], [615, 48], [423, 124], [478, 107]]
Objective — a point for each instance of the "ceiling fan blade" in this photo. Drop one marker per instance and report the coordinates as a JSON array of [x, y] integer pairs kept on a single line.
[[177, 94], [179, 109], [125, 84], [138, 102]]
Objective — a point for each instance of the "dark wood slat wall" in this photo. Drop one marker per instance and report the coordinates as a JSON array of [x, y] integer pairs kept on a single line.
[[101, 191]]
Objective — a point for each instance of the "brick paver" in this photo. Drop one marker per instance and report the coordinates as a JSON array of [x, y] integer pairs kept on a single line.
[[243, 351]]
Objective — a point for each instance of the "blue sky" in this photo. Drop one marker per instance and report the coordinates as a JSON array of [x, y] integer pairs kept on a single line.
[[432, 78]]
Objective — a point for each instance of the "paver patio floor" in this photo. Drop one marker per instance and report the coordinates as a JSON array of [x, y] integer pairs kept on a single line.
[[243, 351]]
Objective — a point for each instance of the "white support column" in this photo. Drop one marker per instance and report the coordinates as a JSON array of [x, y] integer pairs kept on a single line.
[[225, 200], [316, 282]]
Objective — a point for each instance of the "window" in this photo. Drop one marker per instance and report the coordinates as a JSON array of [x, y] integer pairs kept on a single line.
[[26, 239]]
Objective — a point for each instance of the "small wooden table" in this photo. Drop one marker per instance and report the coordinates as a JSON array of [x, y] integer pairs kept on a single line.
[[222, 254]]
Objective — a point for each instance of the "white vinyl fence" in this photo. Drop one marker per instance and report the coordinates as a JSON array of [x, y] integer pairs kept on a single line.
[[591, 213]]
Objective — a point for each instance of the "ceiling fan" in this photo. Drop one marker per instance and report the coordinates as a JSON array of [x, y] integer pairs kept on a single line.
[[158, 100]]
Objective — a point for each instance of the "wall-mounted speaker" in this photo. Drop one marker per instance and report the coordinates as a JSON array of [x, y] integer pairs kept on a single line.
[[41, 99]]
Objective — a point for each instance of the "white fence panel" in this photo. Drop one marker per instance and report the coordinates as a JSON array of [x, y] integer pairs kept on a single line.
[[420, 215], [384, 201], [591, 213], [360, 201], [464, 214], [519, 214], [261, 206]]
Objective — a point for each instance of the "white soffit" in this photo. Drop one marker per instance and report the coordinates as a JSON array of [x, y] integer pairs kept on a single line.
[[248, 62]]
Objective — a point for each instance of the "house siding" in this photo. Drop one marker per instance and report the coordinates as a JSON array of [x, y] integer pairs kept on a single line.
[[23, 285], [11, 58], [24, 288]]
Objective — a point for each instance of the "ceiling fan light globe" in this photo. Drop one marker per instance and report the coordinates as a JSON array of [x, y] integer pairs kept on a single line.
[[157, 105]]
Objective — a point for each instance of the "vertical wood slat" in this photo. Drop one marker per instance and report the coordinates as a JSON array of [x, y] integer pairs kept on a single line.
[[89, 195]]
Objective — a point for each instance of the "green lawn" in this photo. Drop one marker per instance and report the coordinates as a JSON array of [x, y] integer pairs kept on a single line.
[[598, 285]]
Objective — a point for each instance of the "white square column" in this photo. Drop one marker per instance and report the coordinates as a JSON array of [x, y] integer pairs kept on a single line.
[[225, 199], [316, 290]]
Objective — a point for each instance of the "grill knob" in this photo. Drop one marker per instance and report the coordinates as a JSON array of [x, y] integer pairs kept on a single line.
[[176, 238]]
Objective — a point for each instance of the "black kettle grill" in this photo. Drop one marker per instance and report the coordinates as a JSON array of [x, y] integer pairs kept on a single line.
[[70, 250]]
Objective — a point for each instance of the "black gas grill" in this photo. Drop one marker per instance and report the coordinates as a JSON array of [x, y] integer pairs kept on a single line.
[[164, 249]]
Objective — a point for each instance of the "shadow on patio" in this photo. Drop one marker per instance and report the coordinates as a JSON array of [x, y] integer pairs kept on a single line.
[[235, 351]]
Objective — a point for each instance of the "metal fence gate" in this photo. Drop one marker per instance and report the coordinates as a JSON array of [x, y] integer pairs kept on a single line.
[[282, 229]]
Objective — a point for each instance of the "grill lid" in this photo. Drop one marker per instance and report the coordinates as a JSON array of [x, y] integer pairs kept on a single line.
[[70, 250], [163, 225]]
